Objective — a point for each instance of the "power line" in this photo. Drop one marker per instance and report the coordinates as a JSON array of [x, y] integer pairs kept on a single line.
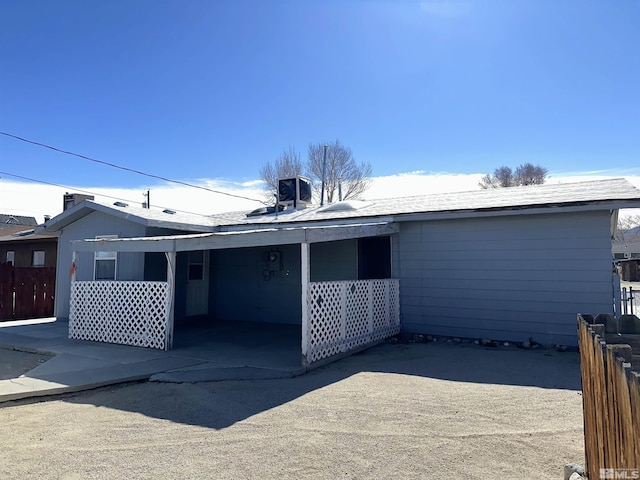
[[93, 193], [179, 182]]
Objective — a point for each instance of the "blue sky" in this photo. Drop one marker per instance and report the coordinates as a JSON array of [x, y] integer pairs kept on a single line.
[[214, 89]]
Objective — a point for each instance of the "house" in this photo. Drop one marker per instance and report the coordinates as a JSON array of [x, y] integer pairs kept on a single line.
[[508, 264], [627, 257], [8, 221], [20, 246], [626, 250], [27, 273]]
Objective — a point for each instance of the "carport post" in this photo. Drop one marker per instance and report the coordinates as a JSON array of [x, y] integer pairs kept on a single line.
[[305, 278], [73, 266], [171, 269]]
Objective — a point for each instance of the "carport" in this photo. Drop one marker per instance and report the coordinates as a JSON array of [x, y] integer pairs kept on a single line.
[[335, 315]]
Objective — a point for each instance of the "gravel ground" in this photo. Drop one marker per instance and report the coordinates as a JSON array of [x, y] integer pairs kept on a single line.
[[434, 411], [14, 363]]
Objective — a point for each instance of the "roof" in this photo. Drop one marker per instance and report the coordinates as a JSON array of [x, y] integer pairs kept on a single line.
[[627, 247], [23, 234], [599, 194], [352, 219], [11, 220], [149, 217]]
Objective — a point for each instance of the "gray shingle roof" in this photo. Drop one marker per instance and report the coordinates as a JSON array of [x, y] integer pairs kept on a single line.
[[616, 193], [12, 220], [513, 198], [143, 216]]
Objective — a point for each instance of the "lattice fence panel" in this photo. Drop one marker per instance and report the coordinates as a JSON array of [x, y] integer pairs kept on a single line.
[[325, 331], [127, 313], [348, 314], [358, 331], [386, 309]]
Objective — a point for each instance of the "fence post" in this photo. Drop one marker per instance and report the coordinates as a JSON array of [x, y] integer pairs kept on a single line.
[[611, 404], [616, 296]]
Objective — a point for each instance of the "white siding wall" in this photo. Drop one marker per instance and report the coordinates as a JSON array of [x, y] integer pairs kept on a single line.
[[130, 265], [505, 278]]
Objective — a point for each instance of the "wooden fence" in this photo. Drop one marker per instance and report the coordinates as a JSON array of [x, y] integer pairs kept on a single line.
[[26, 292], [611, 401]]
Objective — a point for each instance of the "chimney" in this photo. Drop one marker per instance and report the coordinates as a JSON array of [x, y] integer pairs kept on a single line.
[[72, 199], [47, 218]]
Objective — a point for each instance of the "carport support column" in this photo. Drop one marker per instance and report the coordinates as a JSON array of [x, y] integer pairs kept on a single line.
[[171, 281], [305, 277]]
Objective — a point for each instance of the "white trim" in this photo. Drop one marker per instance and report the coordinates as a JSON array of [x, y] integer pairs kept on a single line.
[[223, 240], [305, 275], [105, 256]]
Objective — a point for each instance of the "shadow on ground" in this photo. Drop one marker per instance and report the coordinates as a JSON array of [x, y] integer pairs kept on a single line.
[[221, 404]]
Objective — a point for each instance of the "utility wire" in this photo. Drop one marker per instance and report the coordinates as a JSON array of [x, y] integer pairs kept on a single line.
[[179, 182], [94, 193]]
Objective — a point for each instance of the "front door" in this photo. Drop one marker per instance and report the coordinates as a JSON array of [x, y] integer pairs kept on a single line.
[[198, 283]]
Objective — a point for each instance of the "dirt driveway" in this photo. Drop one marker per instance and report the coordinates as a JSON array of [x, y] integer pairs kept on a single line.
[[433, 411]]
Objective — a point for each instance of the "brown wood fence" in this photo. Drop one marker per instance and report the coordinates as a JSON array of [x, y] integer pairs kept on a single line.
[[611, 403], [26, 292]]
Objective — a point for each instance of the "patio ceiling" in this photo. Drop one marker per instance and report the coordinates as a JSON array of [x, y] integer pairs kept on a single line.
[[241, 239]]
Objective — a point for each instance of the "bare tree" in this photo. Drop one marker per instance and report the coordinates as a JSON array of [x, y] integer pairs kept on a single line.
[[627, 229], [287, 165], [501, 177], [525, 174], [528, 174], [341, 168]]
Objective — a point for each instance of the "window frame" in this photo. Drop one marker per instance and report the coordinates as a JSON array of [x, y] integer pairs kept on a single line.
[[101, 256], [35, 254]]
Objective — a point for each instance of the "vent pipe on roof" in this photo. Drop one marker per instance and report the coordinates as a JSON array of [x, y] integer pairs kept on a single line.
[[324, 173]]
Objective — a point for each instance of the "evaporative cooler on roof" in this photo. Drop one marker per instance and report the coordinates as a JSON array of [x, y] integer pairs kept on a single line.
[[295, 192]]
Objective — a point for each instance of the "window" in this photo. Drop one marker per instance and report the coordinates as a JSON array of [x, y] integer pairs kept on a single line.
[[196, 265], [105, 262], [37, 258], [11, 257]]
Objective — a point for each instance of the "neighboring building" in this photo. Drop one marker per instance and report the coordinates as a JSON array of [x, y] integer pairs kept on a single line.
[[506, 264], [10, 221], [627, 258], [626, 250], [27, 273], [21, 247]]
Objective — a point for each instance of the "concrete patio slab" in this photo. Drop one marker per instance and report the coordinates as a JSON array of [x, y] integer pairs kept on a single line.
[[66, 362], [214, 352]]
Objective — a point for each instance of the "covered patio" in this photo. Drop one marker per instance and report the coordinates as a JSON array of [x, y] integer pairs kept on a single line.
[[335, 316]]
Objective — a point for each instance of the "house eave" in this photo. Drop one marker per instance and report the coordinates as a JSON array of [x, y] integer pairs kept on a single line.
[[518, 210], [237, 239], [87, 207]]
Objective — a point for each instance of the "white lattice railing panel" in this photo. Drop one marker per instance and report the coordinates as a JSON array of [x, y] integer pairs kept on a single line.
[[127, 313], [325, 306], [347, 314]]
